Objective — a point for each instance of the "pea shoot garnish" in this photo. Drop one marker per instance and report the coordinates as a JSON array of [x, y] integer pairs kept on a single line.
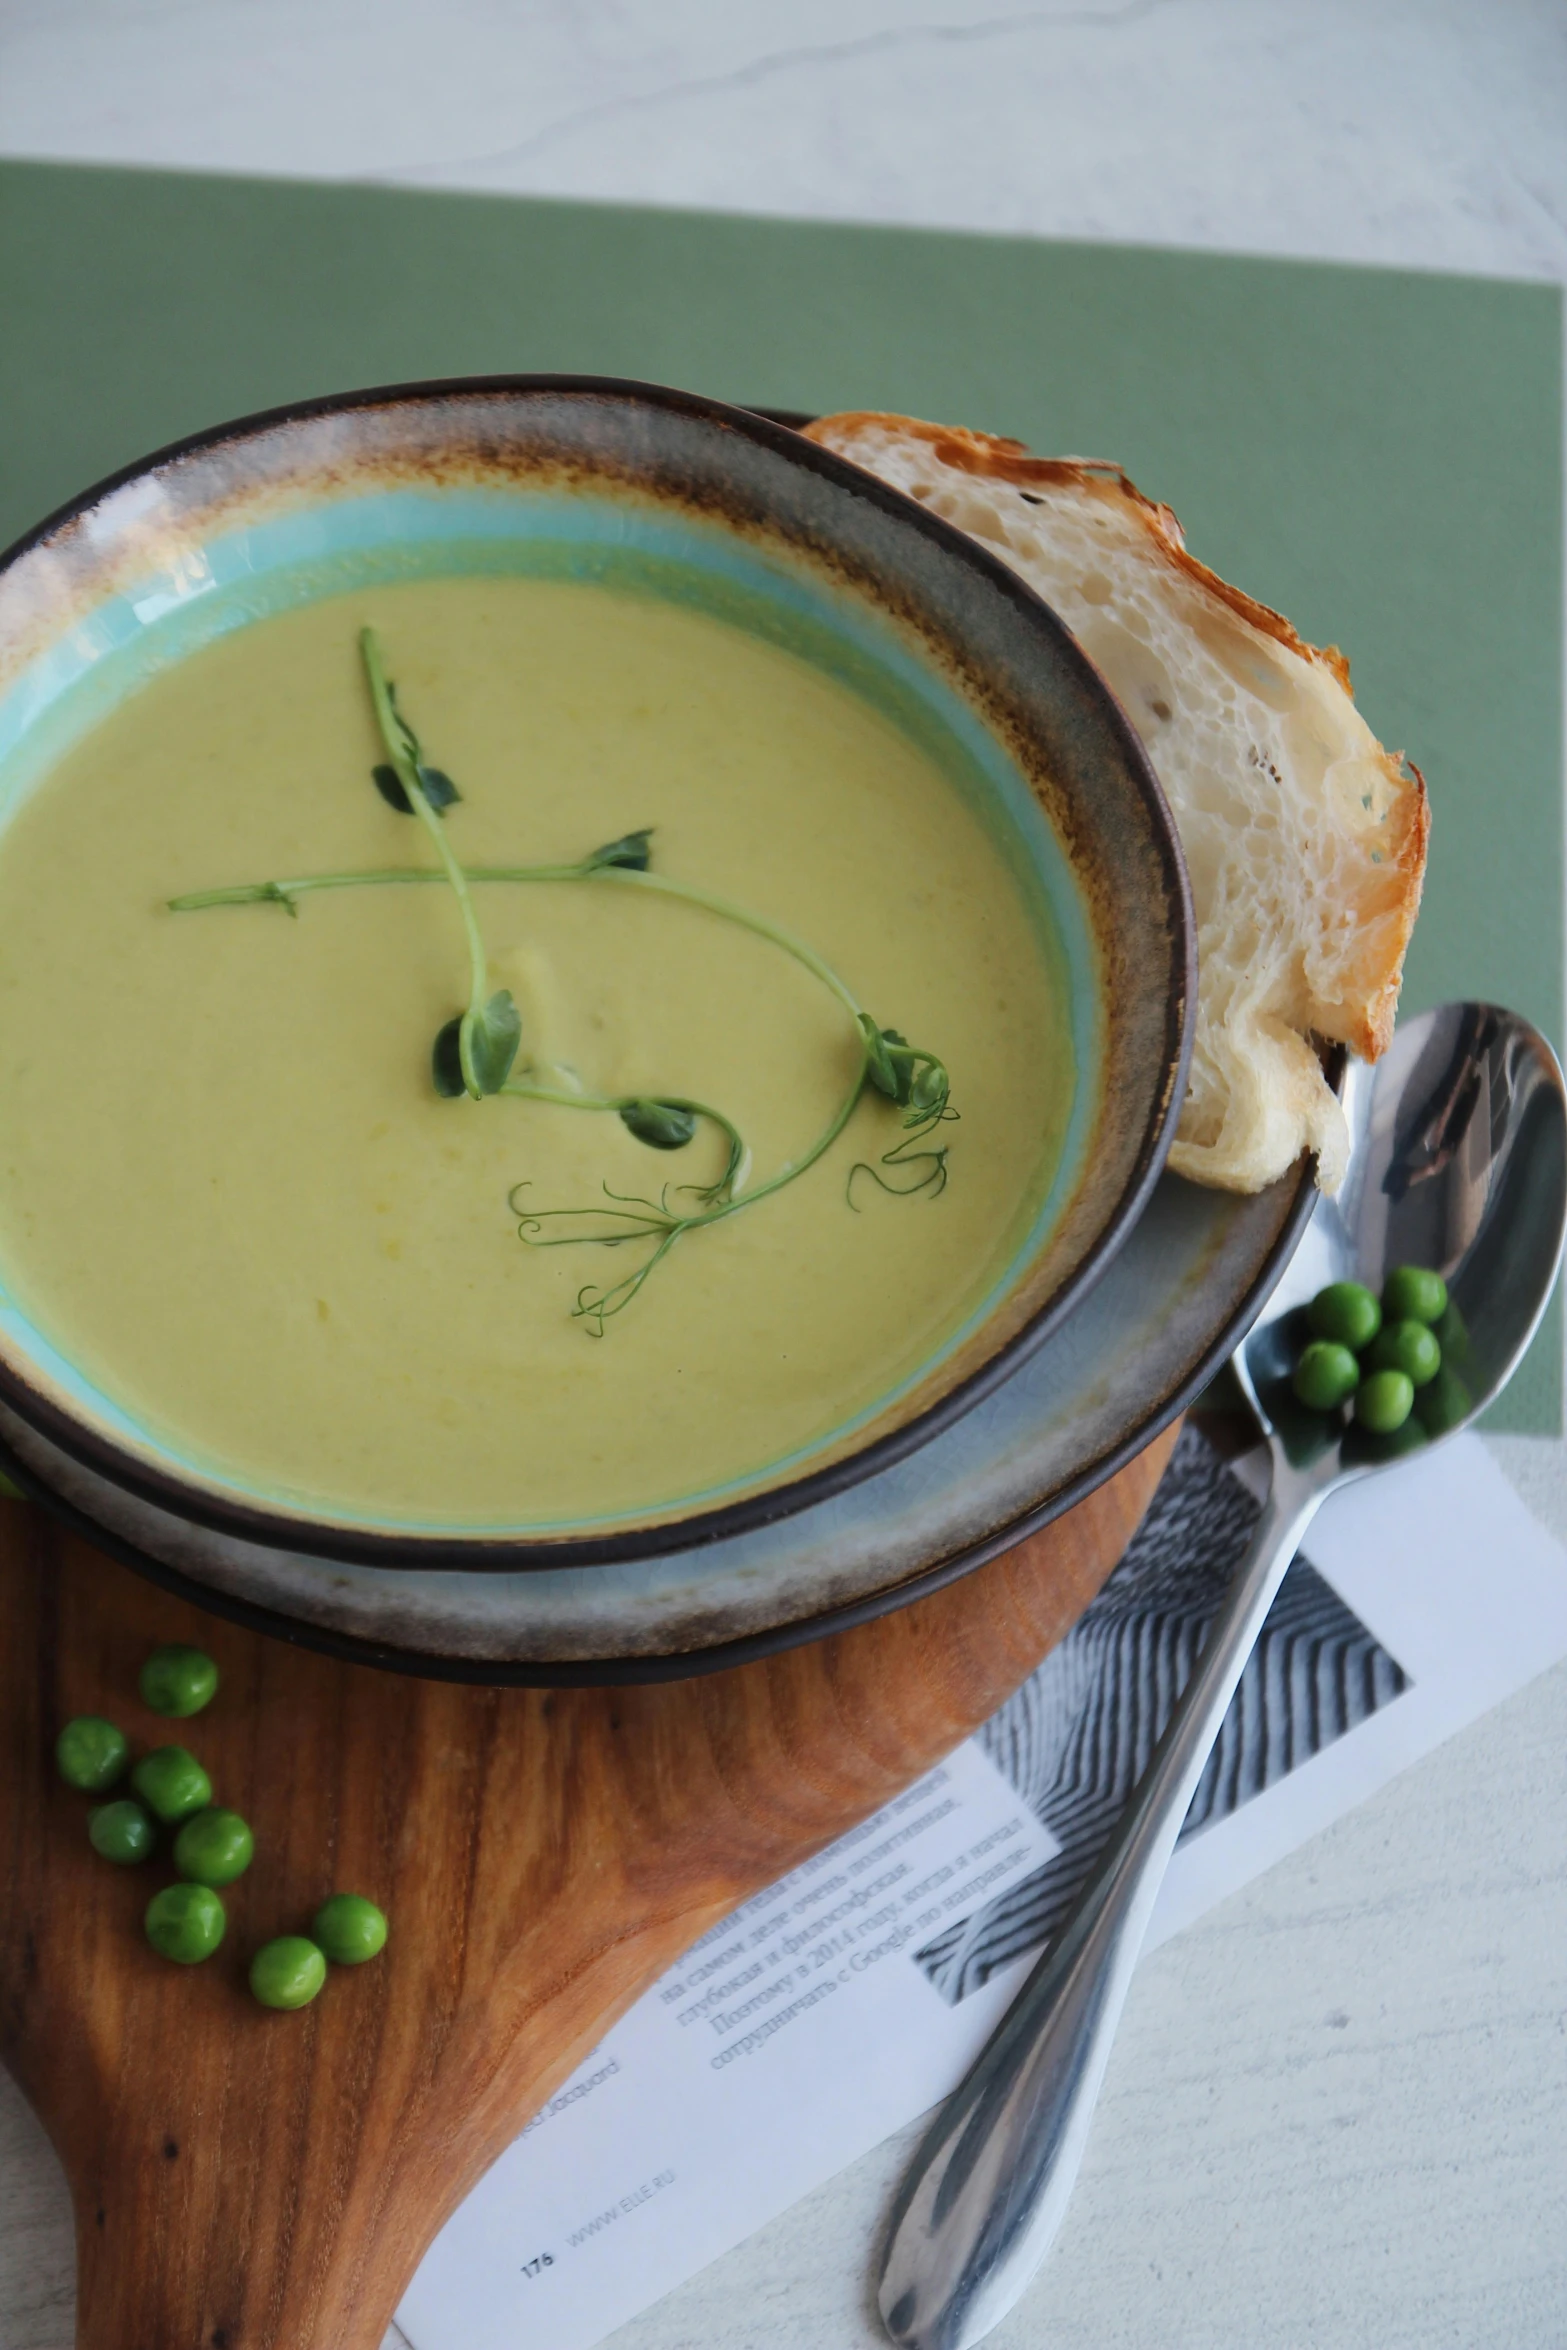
[[483, 1038], [661, 1222], [476, 1051], [917, 1082]]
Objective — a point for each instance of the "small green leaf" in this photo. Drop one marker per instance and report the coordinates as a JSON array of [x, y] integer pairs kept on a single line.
[[631, 852], [446, 1060], [663, 1126], [493, 1037], [928, 1093], [438, 787]]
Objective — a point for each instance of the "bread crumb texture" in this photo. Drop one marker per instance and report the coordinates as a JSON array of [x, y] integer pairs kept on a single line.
[[1305, 840]]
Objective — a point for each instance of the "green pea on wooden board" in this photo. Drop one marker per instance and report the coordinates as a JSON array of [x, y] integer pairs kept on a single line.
[[214, 1847], [350, 1929], [288, 1972], [172, 1783], [91, 1754], [178, 1682], [121, 1832], [185, 1922]]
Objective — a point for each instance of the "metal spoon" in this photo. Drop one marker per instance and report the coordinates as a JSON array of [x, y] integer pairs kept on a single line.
[[1458, 1162]]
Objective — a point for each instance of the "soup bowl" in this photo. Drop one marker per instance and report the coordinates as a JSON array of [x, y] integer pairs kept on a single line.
[[667, 495]]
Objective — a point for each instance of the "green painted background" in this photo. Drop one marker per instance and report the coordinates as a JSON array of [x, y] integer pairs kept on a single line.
[[1376, 452]]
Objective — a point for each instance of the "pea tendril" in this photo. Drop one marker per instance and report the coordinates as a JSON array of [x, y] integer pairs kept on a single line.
[[634, 1218], [475, 1052]]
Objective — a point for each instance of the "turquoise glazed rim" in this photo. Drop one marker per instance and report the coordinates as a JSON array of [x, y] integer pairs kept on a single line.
[[675, 496]]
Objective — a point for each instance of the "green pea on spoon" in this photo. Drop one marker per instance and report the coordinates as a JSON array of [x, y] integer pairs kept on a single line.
[[1457, 1169]]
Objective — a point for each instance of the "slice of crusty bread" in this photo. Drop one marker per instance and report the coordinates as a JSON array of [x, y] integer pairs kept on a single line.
[[1305, 839]]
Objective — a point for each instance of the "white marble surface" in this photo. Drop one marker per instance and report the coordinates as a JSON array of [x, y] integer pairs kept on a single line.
[[1336, 2114], [1415, 131]]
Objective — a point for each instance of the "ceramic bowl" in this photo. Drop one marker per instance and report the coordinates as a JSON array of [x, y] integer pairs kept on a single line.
[[596, 480], [1178, 1299]]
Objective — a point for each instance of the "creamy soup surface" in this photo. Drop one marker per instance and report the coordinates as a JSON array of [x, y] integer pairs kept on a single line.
[[229, 1191]]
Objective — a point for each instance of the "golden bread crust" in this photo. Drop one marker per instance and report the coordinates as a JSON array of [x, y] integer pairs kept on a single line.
[[1364, 1018]]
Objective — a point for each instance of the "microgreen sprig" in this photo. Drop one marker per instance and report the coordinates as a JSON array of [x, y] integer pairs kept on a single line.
[[918, 1083], [665, 1122], [623, 863], [475, 1052], [629, 1217]]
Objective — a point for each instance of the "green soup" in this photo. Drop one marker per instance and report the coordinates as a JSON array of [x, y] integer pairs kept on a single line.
[[230, 1193]]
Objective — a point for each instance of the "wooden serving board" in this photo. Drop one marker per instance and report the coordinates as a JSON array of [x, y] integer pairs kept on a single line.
[[253, 2181]]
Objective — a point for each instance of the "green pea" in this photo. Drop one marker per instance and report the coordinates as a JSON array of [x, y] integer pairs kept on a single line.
[[185, 1922], [1325, 1375], [91, 1754], [121, 1831], [214, 1847], [172, 1783], [288, 1972], [178, 1681], [1346, 1313], [1411, 1294], [1408, 1347], [1384, 1401], [350, 1929]]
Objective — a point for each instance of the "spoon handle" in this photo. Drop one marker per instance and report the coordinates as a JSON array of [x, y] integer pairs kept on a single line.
[[986, 2191]]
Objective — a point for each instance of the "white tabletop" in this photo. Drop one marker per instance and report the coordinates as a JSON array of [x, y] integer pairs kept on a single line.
[[1335, 2115]]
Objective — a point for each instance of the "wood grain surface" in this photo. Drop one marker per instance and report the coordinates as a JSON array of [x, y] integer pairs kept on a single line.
[[252, 2181]]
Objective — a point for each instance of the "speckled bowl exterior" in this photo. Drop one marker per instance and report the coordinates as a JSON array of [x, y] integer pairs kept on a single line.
[[582, 478]]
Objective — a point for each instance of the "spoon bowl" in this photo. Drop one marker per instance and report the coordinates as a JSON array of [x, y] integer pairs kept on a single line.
[[1458, 1163]]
